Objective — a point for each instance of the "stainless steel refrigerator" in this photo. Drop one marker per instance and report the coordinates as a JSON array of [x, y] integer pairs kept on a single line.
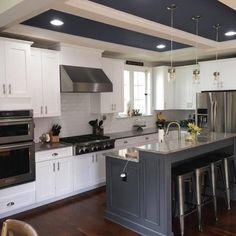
[[220, 107]]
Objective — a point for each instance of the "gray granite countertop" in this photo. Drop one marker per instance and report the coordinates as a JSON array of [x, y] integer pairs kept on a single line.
[[132, 133], [170, 145], [175, 145], [48, 146]]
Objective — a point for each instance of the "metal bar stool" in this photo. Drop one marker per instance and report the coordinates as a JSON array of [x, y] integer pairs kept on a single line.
[[220, 165], [200, 171], [182, 176]]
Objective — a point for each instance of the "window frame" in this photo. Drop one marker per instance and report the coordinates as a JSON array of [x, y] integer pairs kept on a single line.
[[147, 70]]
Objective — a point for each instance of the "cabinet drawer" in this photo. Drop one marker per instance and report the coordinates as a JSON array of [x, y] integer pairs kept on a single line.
[[16, 201], [149, 137], [53, 154], [126, 142]]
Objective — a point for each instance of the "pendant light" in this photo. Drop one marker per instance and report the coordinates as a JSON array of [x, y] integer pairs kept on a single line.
[[216, 74], [196, 71], [171, 70]]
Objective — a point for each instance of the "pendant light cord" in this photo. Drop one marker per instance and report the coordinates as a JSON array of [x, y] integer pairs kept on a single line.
[[171, 40]]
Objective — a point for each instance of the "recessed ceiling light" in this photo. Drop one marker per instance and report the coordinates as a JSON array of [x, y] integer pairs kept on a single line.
[[230, 33], [161, 46], [56, 22]]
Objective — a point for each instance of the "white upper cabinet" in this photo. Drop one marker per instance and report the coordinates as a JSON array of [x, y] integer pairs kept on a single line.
[[177, 94], [164, 91], [227, 70], [44, 72], [186, 89], [111, 102], [17, 69], [14, 74]]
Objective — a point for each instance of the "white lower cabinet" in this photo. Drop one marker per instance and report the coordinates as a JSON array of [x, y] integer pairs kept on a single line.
[[54, 178], [89, 170], [98, 168], [14, 198], [82, 171]]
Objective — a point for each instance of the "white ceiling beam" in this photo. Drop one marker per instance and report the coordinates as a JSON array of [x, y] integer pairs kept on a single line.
[[229, 3], [107, 15], [15, 11]]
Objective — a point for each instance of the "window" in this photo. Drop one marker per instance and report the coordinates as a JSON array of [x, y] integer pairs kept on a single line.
[[137, 90]]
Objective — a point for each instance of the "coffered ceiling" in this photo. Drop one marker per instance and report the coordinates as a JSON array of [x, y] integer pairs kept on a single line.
[[129, 29]]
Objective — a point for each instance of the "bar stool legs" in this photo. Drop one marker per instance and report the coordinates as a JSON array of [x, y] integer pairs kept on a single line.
[[198, 193], [181, 203], [213, 182], [226, 180]]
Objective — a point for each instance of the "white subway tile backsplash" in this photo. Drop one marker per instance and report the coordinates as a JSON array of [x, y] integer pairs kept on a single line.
[[75, 115]]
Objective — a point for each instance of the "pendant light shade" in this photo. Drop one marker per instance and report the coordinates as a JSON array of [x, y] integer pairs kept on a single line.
[[196, 71], [216, 74], [171, 70]]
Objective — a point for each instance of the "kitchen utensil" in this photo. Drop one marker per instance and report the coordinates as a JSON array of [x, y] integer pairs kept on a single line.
[[100, 123]]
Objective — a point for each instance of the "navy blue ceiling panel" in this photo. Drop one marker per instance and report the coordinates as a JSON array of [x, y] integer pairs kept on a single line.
[[79, 26], [212, 12]]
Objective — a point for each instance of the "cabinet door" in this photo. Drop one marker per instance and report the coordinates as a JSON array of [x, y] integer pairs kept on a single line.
[[185, 89], [36, 82], [2, 69], [206, 75], [51, 83], [64, 176], [17, 69], [45, 180], [113, 102], [99, 169], [82, 171], [227, 73]]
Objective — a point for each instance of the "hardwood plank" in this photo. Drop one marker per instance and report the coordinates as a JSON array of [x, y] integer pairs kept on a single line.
[[84, 216]]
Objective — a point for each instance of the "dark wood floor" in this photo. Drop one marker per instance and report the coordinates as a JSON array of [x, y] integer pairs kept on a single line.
[[84, 216]]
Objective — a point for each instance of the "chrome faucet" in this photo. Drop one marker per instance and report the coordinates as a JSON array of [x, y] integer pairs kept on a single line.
[[173, 123]]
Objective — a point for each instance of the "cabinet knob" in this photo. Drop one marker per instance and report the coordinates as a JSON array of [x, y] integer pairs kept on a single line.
[[9, 204], [147, 138], [125, 142], [55, 154]]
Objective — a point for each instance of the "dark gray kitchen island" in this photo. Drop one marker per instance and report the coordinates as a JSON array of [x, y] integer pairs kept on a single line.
[[141, 198]]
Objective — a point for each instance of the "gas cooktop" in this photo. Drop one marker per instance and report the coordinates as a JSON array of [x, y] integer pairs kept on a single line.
[[89, 143]]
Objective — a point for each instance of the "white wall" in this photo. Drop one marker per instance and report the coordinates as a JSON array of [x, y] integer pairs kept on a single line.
[[76, 114]]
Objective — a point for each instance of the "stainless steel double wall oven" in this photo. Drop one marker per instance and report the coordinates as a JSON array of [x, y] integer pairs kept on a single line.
[[17, 154]]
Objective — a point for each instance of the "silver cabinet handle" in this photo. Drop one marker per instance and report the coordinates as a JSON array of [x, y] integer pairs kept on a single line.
[[96, 158], [54, 167], [55, 154], [9, 87], [9, 204], [41, 110], [4, 88], [92, 158], [46, 109], [58, 166]]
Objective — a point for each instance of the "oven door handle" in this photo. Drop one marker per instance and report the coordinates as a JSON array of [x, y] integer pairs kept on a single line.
[[17, 121], [15, 146]]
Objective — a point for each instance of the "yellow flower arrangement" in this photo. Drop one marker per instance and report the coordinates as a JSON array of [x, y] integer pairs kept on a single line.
[[193, 129]]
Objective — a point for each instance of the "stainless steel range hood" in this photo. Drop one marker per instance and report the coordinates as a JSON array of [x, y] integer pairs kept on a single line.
[[83, 80]]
